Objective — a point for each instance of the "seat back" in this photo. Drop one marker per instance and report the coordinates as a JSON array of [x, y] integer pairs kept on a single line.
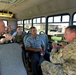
[[11, 60], [24, 39], [45, 39]]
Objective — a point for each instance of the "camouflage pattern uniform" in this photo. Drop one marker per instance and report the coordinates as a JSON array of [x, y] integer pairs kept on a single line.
[[19, 38], [63, 62]]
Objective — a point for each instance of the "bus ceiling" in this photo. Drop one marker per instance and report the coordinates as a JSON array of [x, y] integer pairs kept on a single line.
[[23, 9]]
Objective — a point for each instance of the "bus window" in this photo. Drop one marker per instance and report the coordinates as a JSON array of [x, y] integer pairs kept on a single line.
[[43, 19], [27, 25], [5, 22], [20, 23], [57, 19], [74, 19], [38, 20], [56, 26], [50, 19], [65, 18], [39, 23]]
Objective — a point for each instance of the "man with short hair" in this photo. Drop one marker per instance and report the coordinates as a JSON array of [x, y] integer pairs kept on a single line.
[[35, 45], [62, 62], [18, 38], [6, 37], [10, 30]]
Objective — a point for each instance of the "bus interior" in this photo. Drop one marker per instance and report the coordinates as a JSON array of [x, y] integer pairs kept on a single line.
[[50, 17]]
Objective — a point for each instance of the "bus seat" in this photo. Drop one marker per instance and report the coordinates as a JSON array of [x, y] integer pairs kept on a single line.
[[26, 54], [11, 60], [45, 39], [24, 39]]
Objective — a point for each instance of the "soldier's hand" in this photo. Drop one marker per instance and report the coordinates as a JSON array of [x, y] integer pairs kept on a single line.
[[8, 36], [54, 45], [62, 44]]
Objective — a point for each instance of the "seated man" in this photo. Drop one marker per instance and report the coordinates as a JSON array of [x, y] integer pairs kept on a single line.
[[35, 45], [62, 62], [9, 30], [6, 37], [18, 38]]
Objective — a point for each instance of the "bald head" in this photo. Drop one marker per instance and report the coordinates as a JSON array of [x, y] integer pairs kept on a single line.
[[2, 27]]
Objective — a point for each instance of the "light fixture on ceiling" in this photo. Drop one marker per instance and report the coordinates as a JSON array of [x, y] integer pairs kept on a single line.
[[6, 14]]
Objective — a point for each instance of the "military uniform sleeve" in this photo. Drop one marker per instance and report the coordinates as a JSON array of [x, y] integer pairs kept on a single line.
[[57, 57], [63, 54], [15, 39]]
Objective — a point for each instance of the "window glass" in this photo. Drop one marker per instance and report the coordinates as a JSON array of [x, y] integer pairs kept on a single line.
[[38, 20], [25, 22], [5, 22], [30, 21], [74, 18], [54, 28], [74, 23], [19, 22], [43, 19], [57, 27], [50, 19], [65, 18], [57, 19], [27, 25], [40, 26], [34, 20]]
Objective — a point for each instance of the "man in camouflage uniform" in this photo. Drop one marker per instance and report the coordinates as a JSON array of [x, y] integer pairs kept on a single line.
[[62, 62], [19, 37]]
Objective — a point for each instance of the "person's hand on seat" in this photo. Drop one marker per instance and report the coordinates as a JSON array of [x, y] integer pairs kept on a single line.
[[8, 36]]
